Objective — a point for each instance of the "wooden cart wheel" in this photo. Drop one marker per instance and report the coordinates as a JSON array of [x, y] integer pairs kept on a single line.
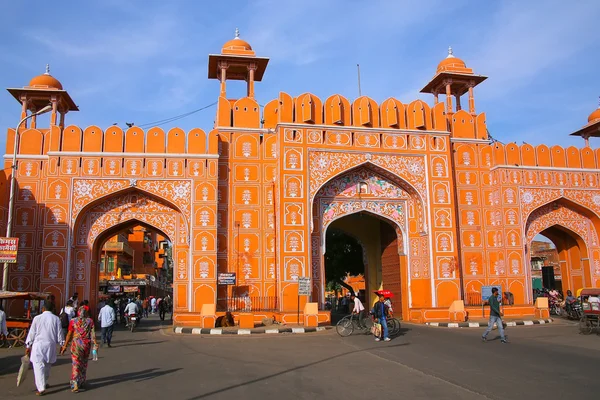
[[585, 326], [16, 337]]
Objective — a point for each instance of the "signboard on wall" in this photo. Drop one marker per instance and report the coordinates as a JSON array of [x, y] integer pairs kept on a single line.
[[113, 289], [486, 292], [304, 288], [226, 278], [130, 289], [8, 249]]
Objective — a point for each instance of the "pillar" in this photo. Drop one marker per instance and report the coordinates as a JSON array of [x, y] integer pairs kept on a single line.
[[33, 119], [223, 67], [448, 97], [62, 119], [458, 107], [251, 69], [471, 100], [435, 98], [54, 103], [24, 110], [586, 139]]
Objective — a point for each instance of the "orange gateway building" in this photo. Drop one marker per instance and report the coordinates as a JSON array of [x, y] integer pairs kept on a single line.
[[439, 209]]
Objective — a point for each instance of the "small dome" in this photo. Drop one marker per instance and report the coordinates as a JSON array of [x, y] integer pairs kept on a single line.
[[595, 116], [45, 81], [451, 63], [237, 46]]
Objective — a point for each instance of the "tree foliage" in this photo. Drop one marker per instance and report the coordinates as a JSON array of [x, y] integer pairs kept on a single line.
[[343, 256]]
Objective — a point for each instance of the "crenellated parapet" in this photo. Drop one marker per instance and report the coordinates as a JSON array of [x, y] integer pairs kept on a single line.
[[113, 140], [526, 155], [336, 110]]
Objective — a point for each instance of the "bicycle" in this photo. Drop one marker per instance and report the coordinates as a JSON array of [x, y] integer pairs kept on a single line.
[[345, 326]]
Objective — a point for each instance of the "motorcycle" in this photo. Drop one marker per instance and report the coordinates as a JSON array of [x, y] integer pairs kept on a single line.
[[132, 320], [573, 311]]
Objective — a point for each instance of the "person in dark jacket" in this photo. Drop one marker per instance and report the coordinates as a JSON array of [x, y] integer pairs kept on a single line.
[[381, 313], [495, 317]]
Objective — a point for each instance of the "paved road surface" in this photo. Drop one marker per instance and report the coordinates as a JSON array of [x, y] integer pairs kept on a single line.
[[424, 363]]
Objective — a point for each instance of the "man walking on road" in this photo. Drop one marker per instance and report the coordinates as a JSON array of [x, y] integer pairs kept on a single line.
[[495, 317], [44, 334], [107, 318]]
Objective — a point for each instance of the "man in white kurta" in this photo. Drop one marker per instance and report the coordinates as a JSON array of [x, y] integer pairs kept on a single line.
[[44, 335]]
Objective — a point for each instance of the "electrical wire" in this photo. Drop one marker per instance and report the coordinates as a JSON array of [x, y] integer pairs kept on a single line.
[[175, 118]]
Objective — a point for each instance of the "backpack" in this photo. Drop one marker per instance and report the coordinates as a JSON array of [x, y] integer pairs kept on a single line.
[[64, 319]]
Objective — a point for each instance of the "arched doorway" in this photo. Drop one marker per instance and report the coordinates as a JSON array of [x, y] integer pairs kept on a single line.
[[570, 228], [120, 212], [130, 259], [368, 195], [382, 257]]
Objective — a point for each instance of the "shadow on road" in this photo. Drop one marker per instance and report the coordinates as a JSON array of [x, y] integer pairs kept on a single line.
[[264, 378], [143, 343], [11, 364], [139, 376]]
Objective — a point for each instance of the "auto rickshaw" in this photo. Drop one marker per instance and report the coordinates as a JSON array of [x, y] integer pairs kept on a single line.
[[18, 327], [590, 305]]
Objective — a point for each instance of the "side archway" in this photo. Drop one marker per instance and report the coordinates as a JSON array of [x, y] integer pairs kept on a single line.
[[96, 222], [574, 234]]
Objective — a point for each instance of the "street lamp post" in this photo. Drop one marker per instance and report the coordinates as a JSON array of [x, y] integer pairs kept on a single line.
[[13, 180]]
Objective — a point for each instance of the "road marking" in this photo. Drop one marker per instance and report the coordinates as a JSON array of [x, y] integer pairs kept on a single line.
[[511, 324], [527, 322], [297, 330], [452, 325], [433, 323], [244, 332], [216, 331], [196, 331], [541, 321], [271, 330], [320, 328], [178, 330], [473, 324]]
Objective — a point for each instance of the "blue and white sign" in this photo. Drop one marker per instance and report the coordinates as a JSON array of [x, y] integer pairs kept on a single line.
[[486, 292]]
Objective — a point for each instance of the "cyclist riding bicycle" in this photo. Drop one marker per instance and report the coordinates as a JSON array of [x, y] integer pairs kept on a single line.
[[358, 309]]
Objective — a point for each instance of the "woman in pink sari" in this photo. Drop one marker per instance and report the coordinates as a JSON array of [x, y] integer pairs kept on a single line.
[[83, 335]]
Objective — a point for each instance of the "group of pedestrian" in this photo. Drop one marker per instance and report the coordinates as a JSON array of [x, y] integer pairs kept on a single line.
[[46, 332], [73, 329]]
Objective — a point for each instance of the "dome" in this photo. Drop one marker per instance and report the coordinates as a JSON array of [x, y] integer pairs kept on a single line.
[[451, 63], [595, 116], [45, 81], [237, 45]]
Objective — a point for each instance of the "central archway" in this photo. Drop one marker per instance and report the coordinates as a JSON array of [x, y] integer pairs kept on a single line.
[[383, 199], [383, 257]]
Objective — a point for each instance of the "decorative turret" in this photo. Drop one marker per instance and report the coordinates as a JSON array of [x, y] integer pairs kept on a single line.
[[43, 90], [453, 78], [592, 129], [237, 61]]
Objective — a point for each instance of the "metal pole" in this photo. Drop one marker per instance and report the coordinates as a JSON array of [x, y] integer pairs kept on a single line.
[[358, 70], [13, 180]]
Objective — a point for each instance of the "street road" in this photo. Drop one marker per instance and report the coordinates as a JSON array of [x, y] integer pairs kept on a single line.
[[423, 363]]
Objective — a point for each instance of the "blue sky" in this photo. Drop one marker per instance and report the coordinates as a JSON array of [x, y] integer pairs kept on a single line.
[[143, 61]]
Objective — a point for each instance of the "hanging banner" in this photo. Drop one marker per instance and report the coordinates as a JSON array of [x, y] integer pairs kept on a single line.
[[113, 289], [8, 249], [130, 289]]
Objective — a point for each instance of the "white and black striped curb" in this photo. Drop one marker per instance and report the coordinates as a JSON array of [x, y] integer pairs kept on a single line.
[[485, 324], [217, 331]]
